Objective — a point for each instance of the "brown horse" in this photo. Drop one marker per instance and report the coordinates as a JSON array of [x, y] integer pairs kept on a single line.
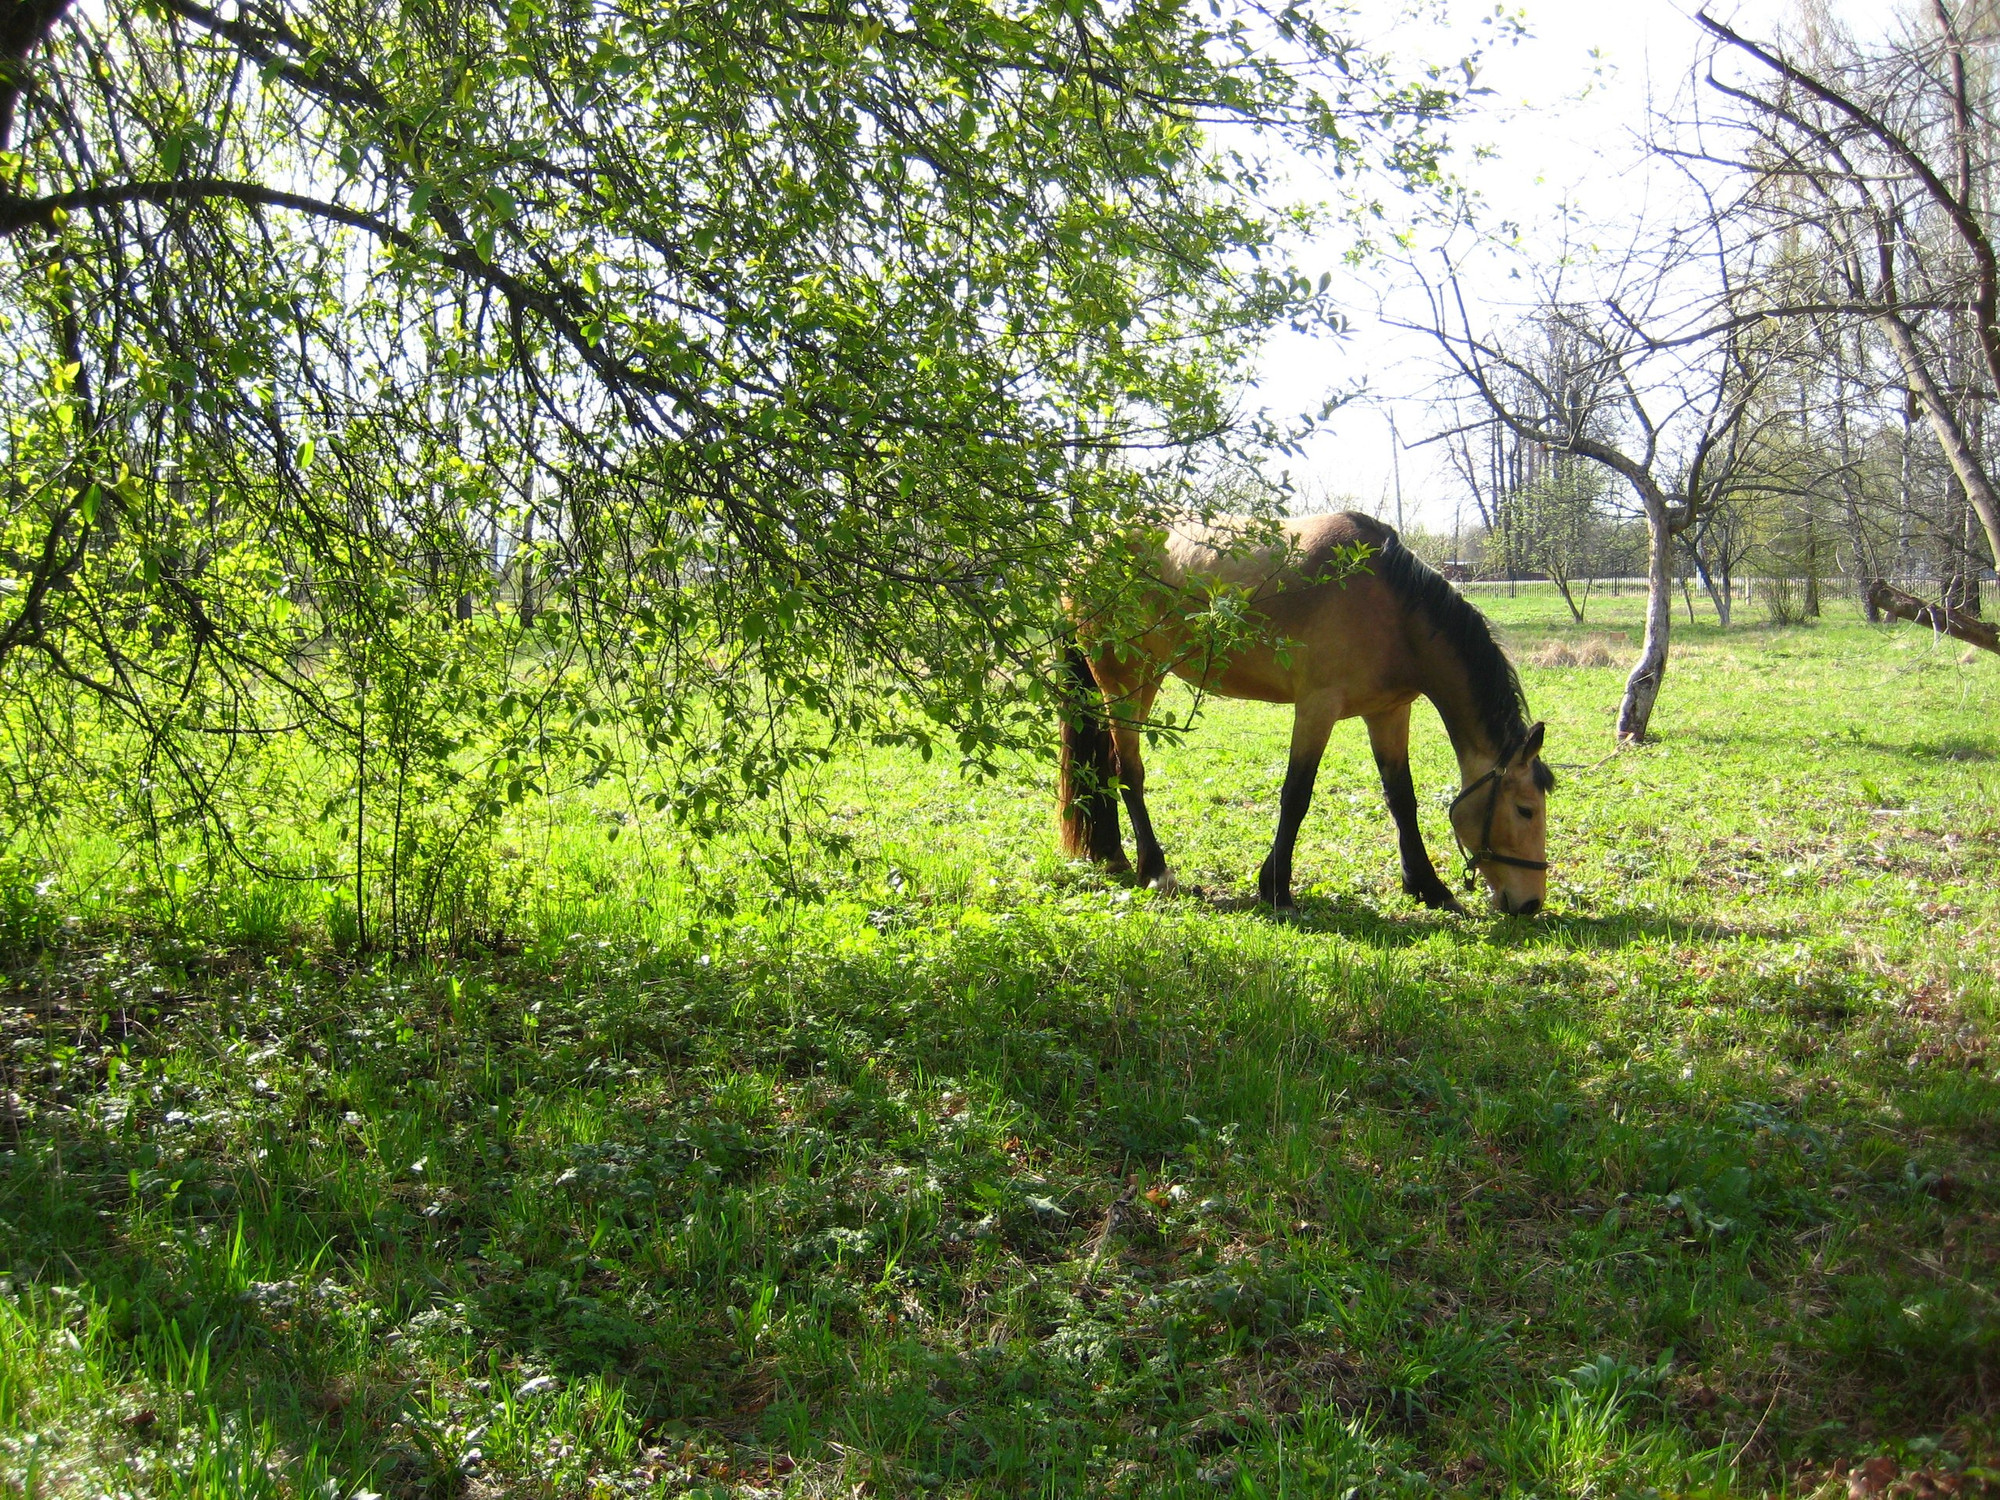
[[1346, 621]]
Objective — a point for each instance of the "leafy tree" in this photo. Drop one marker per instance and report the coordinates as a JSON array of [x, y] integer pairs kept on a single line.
[[1555, 514], [774, 360]]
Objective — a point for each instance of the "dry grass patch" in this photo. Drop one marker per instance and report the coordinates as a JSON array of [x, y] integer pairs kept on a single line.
[[1591, 651]]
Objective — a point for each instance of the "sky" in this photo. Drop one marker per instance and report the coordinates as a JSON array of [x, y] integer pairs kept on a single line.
[[1564, 124]]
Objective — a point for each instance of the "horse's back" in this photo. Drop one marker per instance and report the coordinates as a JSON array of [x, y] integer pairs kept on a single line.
[[1334, 629], [1267, 557]]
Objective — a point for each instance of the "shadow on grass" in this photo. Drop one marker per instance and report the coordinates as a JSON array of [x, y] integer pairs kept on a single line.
[[1731, 739], [1019, 1207], [1376, 928]]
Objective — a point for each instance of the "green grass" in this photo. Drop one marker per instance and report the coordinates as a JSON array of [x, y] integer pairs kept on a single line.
[[952, 1169]]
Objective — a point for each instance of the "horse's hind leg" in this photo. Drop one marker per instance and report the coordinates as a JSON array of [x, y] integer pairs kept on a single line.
[[1389, 734], [1130, 696], [1087, 768], [1312, 722]]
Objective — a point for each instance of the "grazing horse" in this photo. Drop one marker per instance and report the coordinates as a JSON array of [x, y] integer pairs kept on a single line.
[[1347, 621]]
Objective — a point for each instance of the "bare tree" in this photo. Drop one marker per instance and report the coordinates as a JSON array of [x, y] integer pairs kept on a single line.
[[1878, 160], [1643, 379], [1717, 542]]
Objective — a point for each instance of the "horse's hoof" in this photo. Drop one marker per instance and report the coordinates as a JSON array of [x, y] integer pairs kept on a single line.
[[1437, 899], [1164, 883]]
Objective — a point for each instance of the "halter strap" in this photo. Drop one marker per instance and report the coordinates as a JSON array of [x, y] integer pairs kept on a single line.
[[1491, 780]]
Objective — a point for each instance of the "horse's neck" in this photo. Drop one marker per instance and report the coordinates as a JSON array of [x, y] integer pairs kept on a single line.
[[1446, 683]]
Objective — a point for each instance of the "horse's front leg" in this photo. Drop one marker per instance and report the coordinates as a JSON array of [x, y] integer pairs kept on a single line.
[[1312, 722], [1389, 735]]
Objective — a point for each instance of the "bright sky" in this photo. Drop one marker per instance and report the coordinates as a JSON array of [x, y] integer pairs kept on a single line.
[[1564, 123]]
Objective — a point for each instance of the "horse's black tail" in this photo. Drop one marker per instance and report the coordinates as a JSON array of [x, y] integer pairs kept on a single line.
[[1086, 765]]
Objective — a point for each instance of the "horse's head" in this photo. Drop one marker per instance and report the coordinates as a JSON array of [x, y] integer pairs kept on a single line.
[[1501, 823]]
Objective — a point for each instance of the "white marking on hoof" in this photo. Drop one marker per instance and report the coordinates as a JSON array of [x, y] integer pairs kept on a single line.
[[1164, 883]]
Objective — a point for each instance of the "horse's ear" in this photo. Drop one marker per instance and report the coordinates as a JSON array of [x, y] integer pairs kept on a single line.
[[1532, 745]]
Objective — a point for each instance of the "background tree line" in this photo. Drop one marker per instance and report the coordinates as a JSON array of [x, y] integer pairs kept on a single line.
[[1856, 491], [1790, 381]]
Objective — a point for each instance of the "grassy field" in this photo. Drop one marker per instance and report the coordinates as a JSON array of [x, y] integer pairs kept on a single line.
[[946, 1168]]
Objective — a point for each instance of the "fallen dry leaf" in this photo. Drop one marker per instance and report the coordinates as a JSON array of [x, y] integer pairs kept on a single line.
[[1873, 1478]]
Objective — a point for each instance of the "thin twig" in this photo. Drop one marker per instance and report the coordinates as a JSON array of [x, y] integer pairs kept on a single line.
[[1111, 1217], [1937, 1270], [1768, 1407]]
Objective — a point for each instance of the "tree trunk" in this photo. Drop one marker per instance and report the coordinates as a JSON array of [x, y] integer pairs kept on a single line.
[[1642, 688], [1809, 506], [1562, 583], [527, 556], [1719, 597], [24, 26], [1958, 451], [1812, 565], [1857, 531], [1906, 523], [1964, 591], [1943, 618]]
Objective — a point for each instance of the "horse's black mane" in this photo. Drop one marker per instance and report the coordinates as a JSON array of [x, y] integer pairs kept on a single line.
[[1497, 696]]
